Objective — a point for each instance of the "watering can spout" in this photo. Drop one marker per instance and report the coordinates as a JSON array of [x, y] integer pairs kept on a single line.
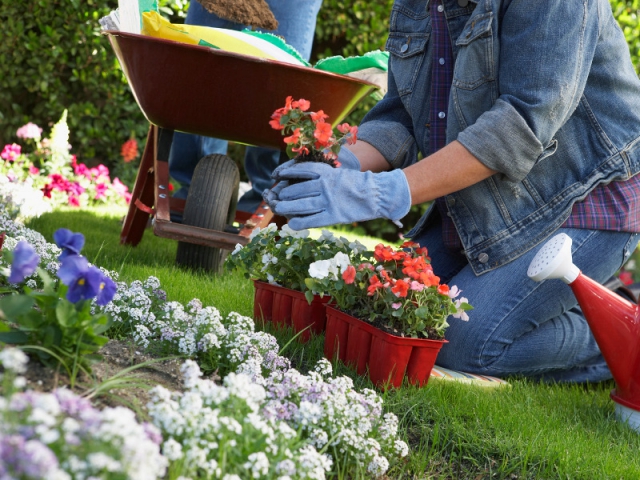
[[613, 320]]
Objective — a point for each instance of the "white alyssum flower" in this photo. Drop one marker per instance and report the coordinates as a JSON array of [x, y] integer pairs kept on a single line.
[[14, 359]]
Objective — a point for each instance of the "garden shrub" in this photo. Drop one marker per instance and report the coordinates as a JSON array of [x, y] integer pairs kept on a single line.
[[53, 58]]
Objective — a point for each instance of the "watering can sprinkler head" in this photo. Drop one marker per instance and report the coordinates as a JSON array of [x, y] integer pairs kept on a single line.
[[614, 322], [554, 261]]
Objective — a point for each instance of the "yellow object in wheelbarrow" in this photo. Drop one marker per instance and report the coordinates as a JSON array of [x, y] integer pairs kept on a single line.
[[244, 42]]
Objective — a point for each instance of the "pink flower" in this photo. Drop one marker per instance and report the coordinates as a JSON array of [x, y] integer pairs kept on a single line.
[[30, 130], [454, 292], [34, 170], [417, 286], [11, 152], [46, 190], [82, 170], [58, 182], [121, 189], [101, 191], [100, 171], [462, 315], [74, 201], [75, 188], [396, 306]]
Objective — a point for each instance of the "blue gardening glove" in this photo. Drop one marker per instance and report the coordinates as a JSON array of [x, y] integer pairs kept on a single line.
[[346, 158], [336, 195]]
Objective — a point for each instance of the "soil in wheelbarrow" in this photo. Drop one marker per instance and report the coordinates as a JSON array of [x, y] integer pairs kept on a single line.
[[247, 12]]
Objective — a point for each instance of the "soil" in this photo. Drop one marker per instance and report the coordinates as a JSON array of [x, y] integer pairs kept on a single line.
[[247, 12], [117, 355], [314, 157]]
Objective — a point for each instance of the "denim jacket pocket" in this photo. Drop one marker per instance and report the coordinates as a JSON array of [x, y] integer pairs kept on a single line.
[[406, 55], [475, 64], [474, 89]]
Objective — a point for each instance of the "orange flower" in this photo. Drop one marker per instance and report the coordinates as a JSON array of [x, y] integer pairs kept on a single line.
[[301, 150], [129, 150], [374, 284], [383, 253], [294, 138], [318, 116], [302, 104], [323, 133], [387, 279], [429, 279], [350, 132], [414, 266], [443, 289], [275, 123], [401, 288], [349, 275]]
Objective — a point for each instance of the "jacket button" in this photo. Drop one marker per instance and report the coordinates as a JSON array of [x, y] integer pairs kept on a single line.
[[483, 258], [463, 3], [404, 47]]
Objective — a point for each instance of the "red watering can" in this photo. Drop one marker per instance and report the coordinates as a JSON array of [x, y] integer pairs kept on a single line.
[[614, 321]]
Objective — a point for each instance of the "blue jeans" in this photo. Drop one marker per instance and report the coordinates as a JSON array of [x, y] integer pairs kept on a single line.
[[296, 24], [522, 327]]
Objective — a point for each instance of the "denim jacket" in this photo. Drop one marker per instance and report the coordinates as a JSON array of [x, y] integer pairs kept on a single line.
[[544, 93]]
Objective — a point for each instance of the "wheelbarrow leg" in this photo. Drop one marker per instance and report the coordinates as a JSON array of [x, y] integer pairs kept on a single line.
[[142, 198]]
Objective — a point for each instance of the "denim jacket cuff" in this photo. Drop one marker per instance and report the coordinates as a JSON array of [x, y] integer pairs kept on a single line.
[[392, 140], [485, 139]]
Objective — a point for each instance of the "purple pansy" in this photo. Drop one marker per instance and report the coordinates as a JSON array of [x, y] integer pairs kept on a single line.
[[83, 281], [69, 242], [107, 290], [25, 262]]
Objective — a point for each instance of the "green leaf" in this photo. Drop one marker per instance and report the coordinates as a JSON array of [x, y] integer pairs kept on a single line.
[[66, 314], [309, 296], [422, 312], [31, 321], [13, 306], [15, 337]]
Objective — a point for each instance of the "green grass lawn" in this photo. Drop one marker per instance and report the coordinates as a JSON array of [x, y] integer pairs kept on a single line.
[[526, 430]]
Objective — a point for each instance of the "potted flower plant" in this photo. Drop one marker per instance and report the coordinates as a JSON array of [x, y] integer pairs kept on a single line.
[[388, 316], [310, 138], [278, 262]]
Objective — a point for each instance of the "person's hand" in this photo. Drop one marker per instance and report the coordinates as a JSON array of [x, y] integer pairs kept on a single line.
[[329, 196], [347, 161]]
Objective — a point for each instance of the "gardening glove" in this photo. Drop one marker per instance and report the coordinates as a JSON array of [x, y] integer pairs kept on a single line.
[[328, 196], [346, 158]]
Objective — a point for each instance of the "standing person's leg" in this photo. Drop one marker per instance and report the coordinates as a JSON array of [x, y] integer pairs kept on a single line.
[[297, 25], [187, 149], [523, 327]]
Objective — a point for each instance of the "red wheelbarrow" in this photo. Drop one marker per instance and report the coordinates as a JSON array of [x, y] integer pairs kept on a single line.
[[209, 92]]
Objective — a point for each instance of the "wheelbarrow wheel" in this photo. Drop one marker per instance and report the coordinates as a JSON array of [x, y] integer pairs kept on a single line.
[[211, 204]]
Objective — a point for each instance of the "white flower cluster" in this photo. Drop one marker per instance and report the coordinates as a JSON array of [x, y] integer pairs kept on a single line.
[[335, 417], [223, 344], [61, 436], [209, 422], [330, 268], [21, 200]]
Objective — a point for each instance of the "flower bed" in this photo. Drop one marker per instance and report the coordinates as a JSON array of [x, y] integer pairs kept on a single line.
[[290, 424], [49, 176]]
